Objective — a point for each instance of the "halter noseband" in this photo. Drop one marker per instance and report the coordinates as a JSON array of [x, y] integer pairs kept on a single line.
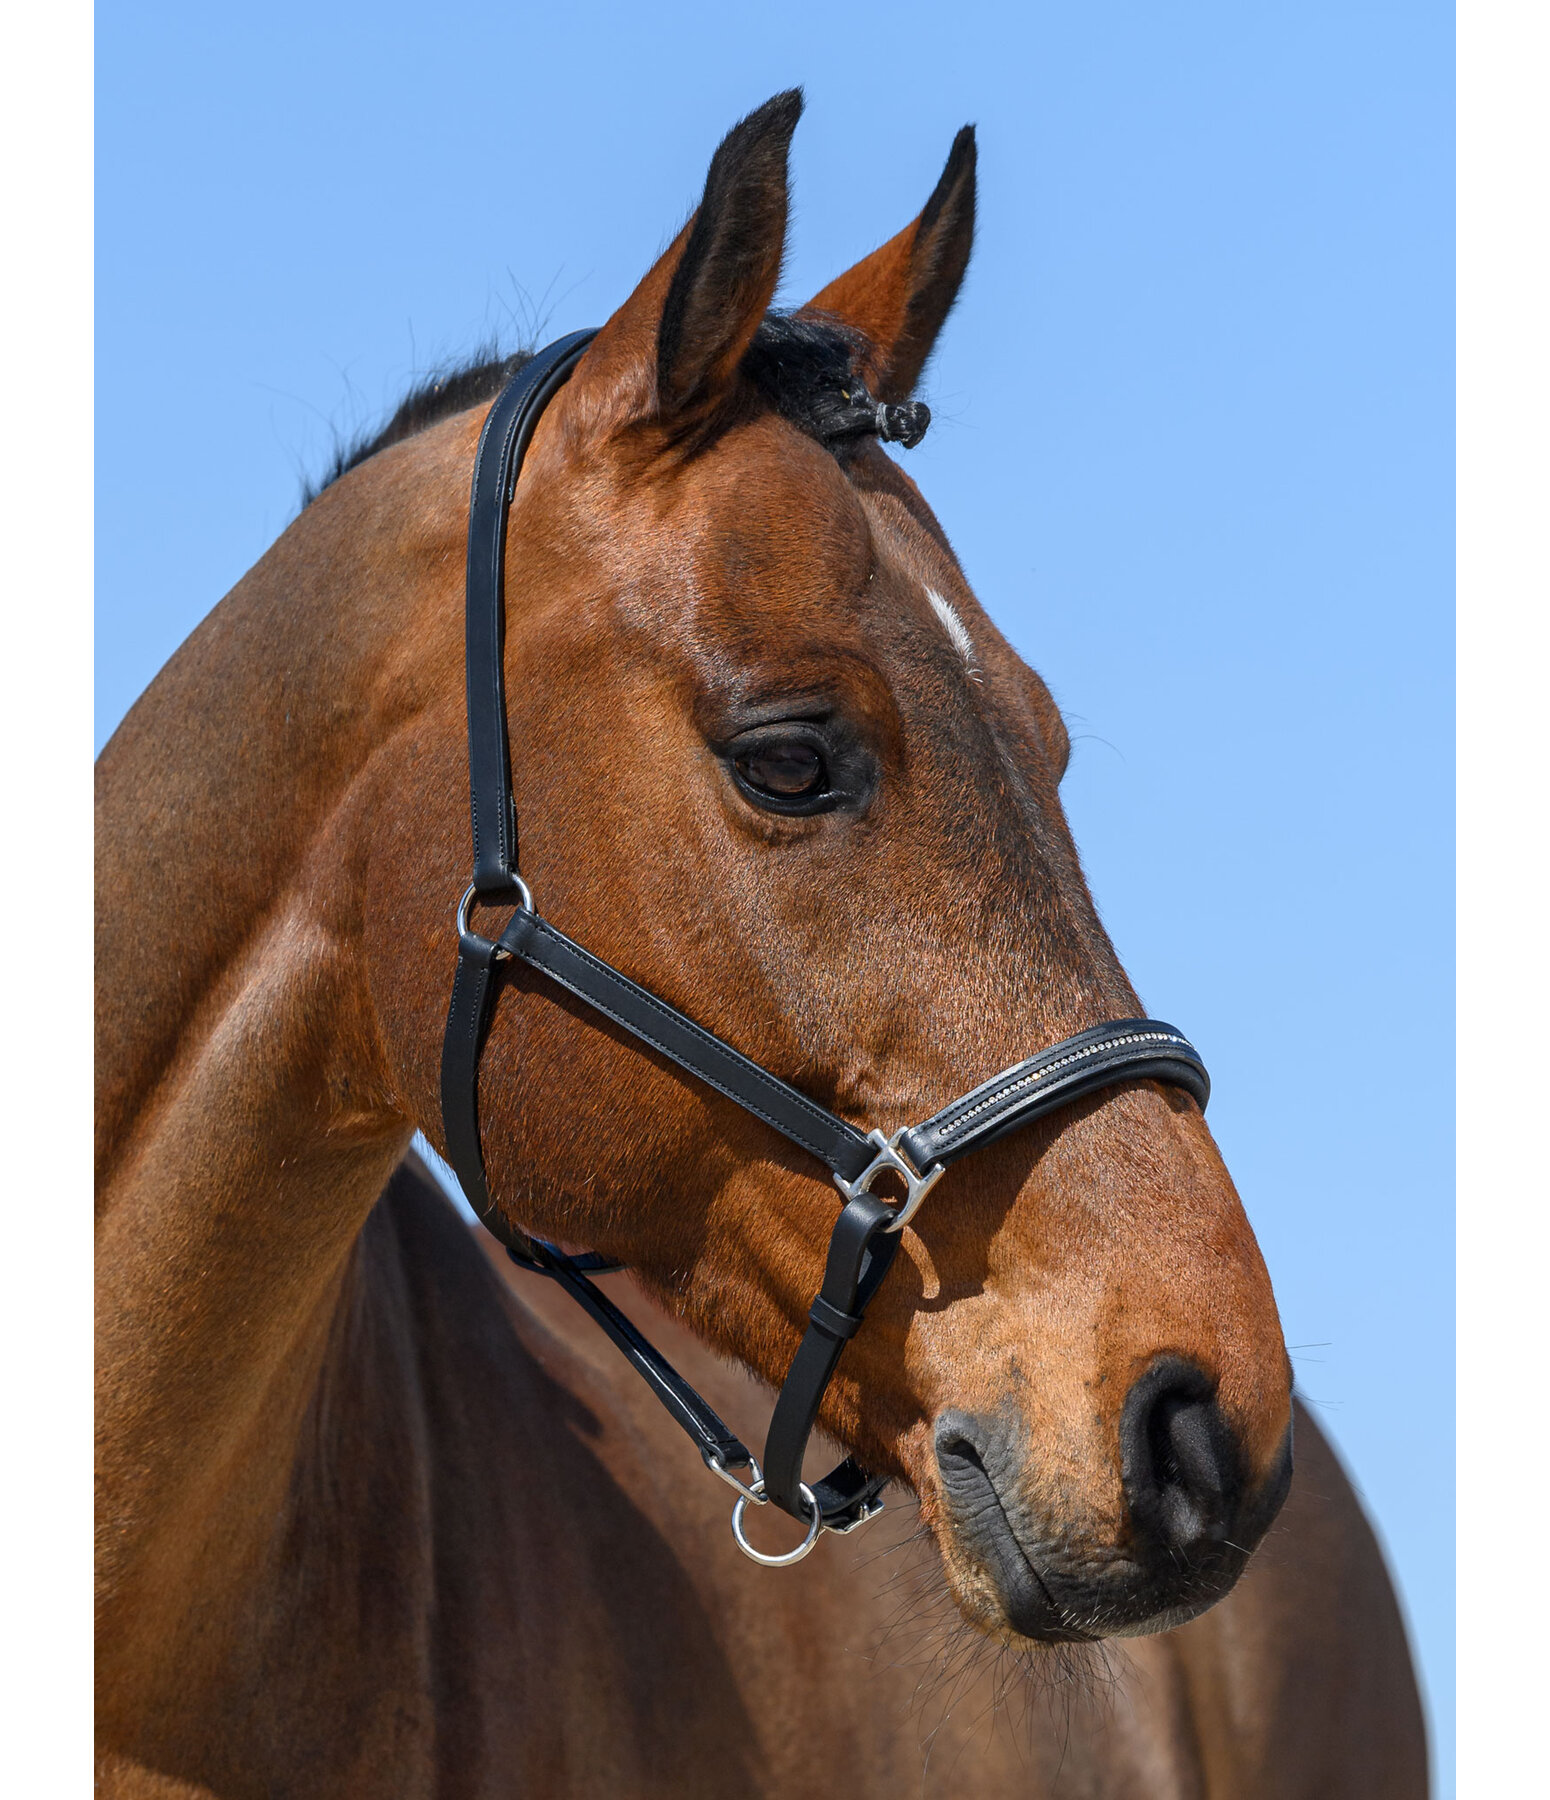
[[866, 1235]]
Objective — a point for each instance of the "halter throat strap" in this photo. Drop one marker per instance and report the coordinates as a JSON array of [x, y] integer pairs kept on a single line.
[[866, 1235]]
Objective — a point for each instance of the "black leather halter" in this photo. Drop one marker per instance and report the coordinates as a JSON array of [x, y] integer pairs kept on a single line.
[[866, 1236]]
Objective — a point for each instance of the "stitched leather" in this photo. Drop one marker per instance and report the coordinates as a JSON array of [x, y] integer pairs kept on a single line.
[[677, 1037], [508, 429], [1123, 1050]]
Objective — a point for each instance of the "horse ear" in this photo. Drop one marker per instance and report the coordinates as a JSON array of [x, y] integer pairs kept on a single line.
[[726, 277], [901, 294], [673, 349]]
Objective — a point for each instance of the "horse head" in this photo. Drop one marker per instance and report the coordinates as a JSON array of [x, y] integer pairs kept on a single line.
[[773, 760]]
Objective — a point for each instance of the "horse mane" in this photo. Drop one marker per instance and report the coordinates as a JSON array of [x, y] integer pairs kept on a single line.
[[800, 364], [434, 397]]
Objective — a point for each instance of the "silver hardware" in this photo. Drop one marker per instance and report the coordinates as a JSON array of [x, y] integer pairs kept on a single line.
[[756, 1494], [524, 901], [867, 1512], [753, 1490], [888, 1159]]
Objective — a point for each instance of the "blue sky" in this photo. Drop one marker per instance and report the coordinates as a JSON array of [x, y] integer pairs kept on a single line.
[[1193, 443]]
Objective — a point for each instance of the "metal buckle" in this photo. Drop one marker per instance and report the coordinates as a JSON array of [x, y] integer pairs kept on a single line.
[[524, 904], [889, 1158], [861, 1518]]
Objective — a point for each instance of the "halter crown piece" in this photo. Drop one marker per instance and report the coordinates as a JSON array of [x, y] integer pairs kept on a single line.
[[865, 1238]]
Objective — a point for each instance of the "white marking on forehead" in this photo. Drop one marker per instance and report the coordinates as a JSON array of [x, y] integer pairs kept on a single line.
[[954, 627]]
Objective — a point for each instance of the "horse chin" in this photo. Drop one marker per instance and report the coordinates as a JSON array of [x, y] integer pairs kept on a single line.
[[1020, 1604], [1011, 1604], [1169, 1618]]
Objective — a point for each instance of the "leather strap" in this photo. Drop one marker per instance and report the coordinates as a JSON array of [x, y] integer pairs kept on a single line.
[[674, 1035], [861, 1250], [713, 1439], [468, 1019], [508, 429], [1124, 1050], [503, 440]]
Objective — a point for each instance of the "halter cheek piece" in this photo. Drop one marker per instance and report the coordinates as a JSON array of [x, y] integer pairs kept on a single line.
[[866, 1235]]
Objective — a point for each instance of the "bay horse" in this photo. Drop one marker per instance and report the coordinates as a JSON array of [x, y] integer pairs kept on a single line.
[[371, 1520]]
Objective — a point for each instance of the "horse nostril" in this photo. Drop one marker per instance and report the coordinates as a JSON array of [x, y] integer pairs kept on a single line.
[[963, 1445], [951, 1451], [1181, 1465]]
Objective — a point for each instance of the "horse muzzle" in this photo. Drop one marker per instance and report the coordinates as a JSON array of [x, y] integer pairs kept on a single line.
[[1187, 1517]]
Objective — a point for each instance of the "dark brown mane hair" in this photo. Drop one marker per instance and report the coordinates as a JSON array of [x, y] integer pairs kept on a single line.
[[434, 397], [804, 367]]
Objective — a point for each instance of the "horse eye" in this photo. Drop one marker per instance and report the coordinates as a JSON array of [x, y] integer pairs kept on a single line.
[[785, 768]]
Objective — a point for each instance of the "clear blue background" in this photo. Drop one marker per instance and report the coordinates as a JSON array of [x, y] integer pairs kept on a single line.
[[1192, 442]]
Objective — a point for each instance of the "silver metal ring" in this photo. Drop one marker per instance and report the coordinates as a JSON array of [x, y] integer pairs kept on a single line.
[[814, 1530], [524, 901]]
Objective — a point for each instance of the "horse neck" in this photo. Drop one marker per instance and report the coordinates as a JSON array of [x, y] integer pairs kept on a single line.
[[245, 1114], [222, 800]]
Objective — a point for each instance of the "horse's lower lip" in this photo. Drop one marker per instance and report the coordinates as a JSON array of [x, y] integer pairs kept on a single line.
[[1023, 1594], [1044, 1607], [1031, 1610], [984, 1541]]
